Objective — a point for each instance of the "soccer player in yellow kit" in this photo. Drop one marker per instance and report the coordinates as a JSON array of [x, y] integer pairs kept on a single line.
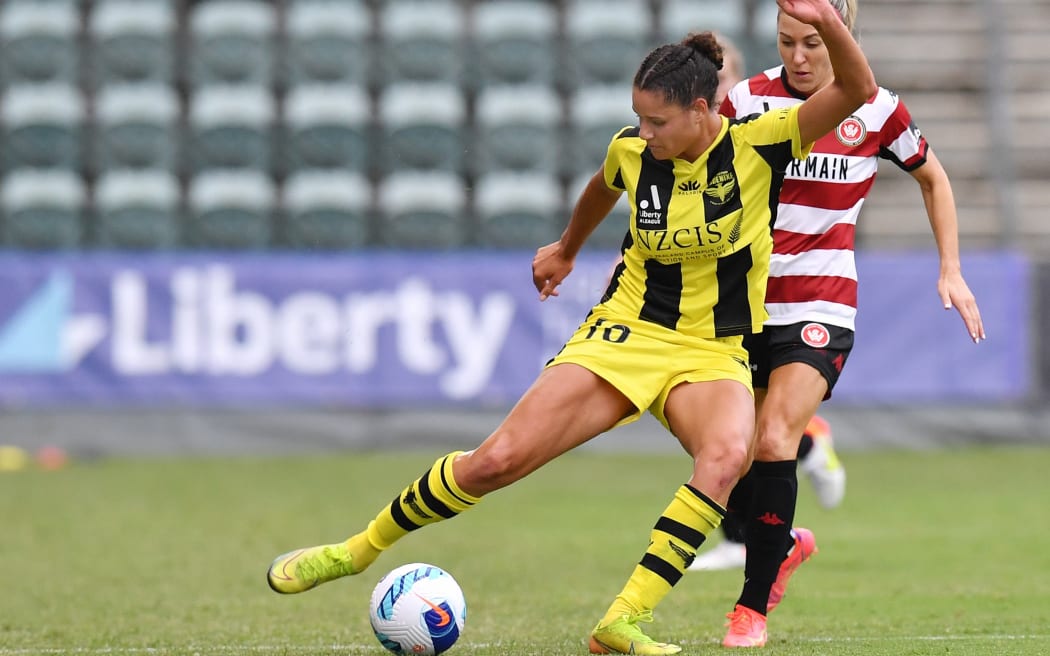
[[666, 335]]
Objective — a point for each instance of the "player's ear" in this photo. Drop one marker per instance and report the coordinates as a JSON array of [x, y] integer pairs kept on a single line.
[[700, 106]]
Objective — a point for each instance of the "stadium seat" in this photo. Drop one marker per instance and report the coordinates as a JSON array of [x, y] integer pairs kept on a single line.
[[422, 41], [519, 209], [137, 210], [518, 127], [328, 41], [231, 42], [516, 42], [231, 209], [38, 41], [678, 18], [422, 210], [136, 126], [328, 209], [42, 126], [606, 40], [596, 114], [422, 127], [132, 41], [327, 125], [43, 209], [765, 25], [610, 232], [232, 127]]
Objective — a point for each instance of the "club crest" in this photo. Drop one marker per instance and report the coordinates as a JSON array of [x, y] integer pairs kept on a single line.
[[851, 132], [815, 335]]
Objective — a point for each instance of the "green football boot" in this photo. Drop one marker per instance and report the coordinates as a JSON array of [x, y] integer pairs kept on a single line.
[[622, 636], [304, 569]]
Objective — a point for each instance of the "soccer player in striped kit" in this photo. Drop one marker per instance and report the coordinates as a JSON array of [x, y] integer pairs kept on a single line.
[[816, 453], [667, 335], [811, 297]]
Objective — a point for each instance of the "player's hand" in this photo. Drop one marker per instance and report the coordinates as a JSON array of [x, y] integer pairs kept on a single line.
[[955, 293], [809, 12], [550, 267]]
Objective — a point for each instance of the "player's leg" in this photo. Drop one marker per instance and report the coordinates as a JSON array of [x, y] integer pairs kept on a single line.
[[565, 407], [804, 371], [795, 390], [730, 552], [714, 421]]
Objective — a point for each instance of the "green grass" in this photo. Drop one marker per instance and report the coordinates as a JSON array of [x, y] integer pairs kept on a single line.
[[932, 553]]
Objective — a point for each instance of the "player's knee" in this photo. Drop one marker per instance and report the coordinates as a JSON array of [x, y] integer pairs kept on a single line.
[[775, 439], [727, 459]]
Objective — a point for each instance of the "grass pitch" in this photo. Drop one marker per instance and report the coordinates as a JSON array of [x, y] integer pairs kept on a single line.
[[943, 552]]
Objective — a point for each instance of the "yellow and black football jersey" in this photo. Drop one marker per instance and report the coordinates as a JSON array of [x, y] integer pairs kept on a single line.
[[696, 258]]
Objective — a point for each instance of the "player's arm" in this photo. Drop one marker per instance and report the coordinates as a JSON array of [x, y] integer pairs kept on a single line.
[[940, 208], [553, 262], [854, 82]]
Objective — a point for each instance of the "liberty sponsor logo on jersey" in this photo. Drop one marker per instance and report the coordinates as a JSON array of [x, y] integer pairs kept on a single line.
[[816, 335], [651, 213], [851, 132], [722, 188]]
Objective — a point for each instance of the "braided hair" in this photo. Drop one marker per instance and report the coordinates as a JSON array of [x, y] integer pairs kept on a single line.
[[683, 71]]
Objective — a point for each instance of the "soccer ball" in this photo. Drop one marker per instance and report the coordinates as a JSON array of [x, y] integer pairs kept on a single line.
[[418, 609]]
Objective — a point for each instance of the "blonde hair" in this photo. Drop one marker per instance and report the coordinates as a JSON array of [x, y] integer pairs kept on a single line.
[[847, 9], [733, 69]]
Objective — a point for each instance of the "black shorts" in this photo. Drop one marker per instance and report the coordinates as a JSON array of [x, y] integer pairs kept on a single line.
[[823, 347]]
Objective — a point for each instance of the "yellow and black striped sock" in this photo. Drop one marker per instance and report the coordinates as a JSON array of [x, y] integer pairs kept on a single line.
[[429, 499], [677, 535]]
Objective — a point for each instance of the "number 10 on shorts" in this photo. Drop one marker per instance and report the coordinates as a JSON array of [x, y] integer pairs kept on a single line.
[[613, 332]]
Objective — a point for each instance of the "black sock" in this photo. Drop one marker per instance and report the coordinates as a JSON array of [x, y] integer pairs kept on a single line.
[[734, 524], [805, 446], [768, 529]]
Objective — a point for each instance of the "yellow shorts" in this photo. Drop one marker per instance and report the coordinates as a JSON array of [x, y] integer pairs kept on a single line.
[[646, 361]]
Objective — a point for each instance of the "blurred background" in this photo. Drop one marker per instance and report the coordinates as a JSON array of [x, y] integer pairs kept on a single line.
[[235, 225]]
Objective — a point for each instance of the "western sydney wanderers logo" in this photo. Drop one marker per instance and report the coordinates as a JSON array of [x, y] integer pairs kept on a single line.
[[815, 335], [722, 188], [851, 132]]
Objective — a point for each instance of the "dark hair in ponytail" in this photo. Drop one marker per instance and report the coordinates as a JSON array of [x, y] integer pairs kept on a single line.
[[684, 71]]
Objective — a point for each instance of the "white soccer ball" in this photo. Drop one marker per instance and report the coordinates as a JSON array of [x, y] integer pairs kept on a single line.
[[418, 609]]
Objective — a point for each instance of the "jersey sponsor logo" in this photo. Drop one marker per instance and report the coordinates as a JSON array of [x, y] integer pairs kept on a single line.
[[651, 214], [722, 188], [705, 239], [689, 187], [851, 132], [820, 167], [816, 335]]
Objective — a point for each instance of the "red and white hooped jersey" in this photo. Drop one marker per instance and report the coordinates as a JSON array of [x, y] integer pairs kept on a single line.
[[812, 273]]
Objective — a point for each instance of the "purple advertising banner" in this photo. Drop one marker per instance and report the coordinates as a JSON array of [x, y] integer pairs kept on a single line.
[[388, 329], [910, 350]]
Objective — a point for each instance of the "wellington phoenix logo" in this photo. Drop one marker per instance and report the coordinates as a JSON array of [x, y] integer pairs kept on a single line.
[[721, 188], [851, 132]]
